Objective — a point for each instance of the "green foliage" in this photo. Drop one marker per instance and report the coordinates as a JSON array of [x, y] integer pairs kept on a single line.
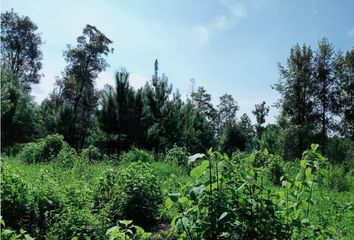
[[137, 155], [177, 155], [15, 199], [233, 138], [127, 231], [79, 223], [141, 194], [20, 119], [338, 179], [20, 47], [92, 154], [44, 150], [8, 234]]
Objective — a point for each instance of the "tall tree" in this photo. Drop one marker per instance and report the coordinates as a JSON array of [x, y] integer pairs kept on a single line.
[[246, 126], [227, 109], [84, 63], [118, 116], [202, 102], [324, 88], [260, 112], [20, 119], [20, 47], [155, 97], [344, 74], [297, 103]]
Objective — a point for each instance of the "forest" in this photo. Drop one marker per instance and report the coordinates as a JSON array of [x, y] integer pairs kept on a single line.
[[147, 163]]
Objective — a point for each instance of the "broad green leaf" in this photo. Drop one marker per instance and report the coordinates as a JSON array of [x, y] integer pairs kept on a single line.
[[265, 151], [303, 163], [112, 229], [198, 171], [197, 191], [126, 222], [194, 157], [308, 171], [174, 196], [169, 203]]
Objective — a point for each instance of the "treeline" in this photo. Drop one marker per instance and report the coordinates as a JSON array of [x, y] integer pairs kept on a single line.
[[316, 104]]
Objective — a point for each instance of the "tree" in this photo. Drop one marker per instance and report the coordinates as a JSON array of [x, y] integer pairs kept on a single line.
[[227, 109], [344, 75], [20, 47], [79, 97], [119, 118], [324, 88], [297, 112], [232, 138], [260, 112], [202, 102], [270, 139], [20, 119], [246, 126]]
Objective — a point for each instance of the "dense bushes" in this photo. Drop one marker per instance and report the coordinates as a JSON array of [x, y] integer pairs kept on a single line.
[[250, 196], [44, 150], [137, 155], [15, 199], [177, 155]]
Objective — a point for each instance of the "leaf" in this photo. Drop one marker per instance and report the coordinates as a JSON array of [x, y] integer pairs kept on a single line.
[[265, 151], [198, 171], [314, 147], [308, 171], [303, 163], [169, 203], [223, 215], [126, 222], [112, 229], [194, 157], [174, 196], [197, 191]]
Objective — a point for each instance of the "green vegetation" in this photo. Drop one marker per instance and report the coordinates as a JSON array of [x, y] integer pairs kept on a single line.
[[125, 163], [250, 195]]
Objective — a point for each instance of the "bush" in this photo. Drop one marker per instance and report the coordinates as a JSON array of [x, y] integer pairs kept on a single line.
[[177, 155], [338, 180], [92, 154], [15, 199], [141, 194], [79, 223], [137, 155], [67, 157], [44, 150], [275, 170]]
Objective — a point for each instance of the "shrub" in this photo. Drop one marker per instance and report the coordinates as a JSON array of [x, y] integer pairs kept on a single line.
[[338, 180], [92, 154], [140, 193], [46, 202], [15, 199], [67, 157], [137, 155], [132, 193], [44, 150], [79, 223], [177, 155], [275, 169]]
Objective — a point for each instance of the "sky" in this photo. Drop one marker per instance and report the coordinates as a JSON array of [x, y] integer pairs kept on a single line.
[[226, 46]]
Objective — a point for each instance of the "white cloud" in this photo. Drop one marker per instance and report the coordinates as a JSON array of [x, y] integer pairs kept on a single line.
[[104, 78], [201, 35], [46, 85], [351, 33], [235, 12], [137, 80]]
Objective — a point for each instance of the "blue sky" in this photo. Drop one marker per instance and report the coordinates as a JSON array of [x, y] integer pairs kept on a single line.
[[227, 46]]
